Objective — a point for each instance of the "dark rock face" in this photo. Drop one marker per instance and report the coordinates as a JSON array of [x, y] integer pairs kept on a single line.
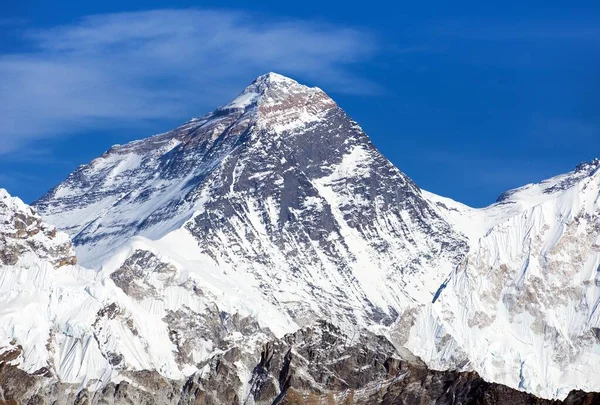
[[322, 366], [432, 387], [373, 199], [316, 365], [321, 362], [131, 276]]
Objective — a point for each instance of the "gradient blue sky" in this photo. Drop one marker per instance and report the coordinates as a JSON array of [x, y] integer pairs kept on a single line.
[[467, 98]]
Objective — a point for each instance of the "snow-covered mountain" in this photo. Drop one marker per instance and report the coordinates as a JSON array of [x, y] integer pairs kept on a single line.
[[277, 200], [276, 211], [523, 307]]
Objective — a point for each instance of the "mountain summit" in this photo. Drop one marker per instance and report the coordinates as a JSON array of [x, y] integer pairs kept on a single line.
[[276, 211], [280, 103], [279, 193]]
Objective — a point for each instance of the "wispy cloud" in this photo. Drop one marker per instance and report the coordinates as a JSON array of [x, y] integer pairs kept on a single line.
[[39, 156], [118, 69]]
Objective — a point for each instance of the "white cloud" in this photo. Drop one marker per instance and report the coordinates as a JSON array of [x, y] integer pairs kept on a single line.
[[115, 69]]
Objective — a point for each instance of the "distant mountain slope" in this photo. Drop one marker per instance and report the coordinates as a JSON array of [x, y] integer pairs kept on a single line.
[[523, 308]]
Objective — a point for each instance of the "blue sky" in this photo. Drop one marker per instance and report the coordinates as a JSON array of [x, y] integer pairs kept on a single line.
[[468, 99]]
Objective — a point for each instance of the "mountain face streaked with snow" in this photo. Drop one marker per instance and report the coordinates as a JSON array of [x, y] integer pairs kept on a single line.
[[277, 197], [206, 247]]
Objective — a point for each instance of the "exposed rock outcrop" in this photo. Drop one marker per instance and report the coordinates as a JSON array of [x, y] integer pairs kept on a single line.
[[315, 366], [23, 231]]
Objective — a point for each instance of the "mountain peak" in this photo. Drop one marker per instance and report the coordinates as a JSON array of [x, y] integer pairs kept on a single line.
[[279, 208], [557, 184], [274, 78], [280, 103], [7, 202], [270, 88], [4, 194]]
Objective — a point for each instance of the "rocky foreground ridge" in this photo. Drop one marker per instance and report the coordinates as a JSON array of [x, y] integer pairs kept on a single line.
[[315, 365]]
